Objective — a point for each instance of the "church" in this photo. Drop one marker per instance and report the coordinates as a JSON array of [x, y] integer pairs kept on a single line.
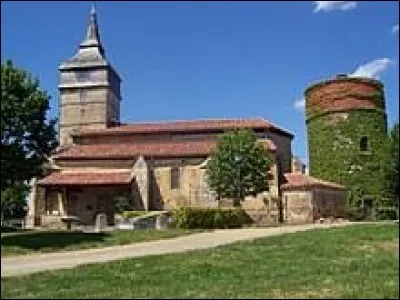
[[161, 165]]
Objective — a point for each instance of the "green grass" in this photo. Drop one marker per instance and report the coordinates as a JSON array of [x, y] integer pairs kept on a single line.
[[359, 261], [29, 242]]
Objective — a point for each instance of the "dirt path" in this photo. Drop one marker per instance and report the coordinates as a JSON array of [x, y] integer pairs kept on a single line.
[[26, 264]]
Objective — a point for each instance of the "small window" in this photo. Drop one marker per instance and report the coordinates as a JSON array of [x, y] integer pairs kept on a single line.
[[175, 178], [364, 144]]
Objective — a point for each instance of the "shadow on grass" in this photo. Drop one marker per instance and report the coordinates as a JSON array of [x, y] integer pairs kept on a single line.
[[9, 229], [52, 239]]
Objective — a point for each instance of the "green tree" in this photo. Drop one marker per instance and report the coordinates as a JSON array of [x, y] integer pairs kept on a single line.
[[27, 137], [392, 170], [13, 205], [238, 167]]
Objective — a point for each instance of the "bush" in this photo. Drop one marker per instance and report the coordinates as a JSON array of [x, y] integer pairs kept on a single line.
[[380, 213], [386, 213], [355, 214], [210, 218], [123, 203], [13, 204]]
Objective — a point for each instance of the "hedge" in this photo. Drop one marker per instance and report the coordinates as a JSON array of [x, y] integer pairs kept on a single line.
[[209, 218], [378, 213]]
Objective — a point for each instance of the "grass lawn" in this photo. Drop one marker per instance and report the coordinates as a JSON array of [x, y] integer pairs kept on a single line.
[[359, 261], [29, 242]]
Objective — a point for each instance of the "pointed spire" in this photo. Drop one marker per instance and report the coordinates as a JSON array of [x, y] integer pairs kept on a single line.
[[92, 38]]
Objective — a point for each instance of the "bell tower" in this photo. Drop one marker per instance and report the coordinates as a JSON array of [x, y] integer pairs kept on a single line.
[[89, 88]]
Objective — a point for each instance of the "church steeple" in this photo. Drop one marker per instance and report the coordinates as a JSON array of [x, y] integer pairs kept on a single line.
[[89, 87], [92, 39]]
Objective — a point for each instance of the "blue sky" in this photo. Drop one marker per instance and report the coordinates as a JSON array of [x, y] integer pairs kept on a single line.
[[187, 60]]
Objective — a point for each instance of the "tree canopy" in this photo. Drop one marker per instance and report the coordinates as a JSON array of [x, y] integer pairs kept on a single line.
[[392, 171], [27, 137], [239, 166]]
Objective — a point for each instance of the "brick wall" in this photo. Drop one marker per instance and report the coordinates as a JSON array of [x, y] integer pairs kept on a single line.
[[343, 93]]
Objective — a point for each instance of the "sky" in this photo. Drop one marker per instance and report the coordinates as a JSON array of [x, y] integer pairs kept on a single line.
[[195, 60]]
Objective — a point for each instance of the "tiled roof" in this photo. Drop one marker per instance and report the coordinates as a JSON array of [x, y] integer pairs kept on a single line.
[[153, 149], [303, 181], [185, 126], [65, 178]]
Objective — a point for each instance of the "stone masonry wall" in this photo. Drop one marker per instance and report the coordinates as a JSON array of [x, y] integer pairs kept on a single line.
[[329, 203], [297, 207]]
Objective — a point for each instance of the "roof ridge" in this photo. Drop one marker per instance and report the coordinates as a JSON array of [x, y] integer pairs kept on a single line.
[[314, 180], [192, 120], [144, 142]]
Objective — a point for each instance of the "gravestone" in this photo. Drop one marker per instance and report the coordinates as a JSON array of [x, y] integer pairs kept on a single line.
[[101, 222]]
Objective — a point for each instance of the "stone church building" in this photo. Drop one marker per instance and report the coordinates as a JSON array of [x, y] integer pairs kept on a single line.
[[160, 164]]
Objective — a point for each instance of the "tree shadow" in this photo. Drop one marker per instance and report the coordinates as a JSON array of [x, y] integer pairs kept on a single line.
[[51, 240]]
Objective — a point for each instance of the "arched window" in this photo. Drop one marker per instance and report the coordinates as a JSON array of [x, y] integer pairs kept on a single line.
[[364, 144], [175, 178]]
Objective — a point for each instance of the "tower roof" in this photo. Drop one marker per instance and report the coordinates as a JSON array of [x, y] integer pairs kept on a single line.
[[90, 52], [92, 39]]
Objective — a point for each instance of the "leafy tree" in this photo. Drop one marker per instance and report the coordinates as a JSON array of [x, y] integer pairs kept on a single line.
[[27, 137], [13, 205], [238, 167], [392, 167]]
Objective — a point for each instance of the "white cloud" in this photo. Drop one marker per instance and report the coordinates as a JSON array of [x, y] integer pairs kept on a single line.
[[372, 69], [300, 104], [395, 29], [332, 5]]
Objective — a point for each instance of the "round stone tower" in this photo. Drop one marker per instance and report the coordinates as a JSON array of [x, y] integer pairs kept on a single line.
[[346, 126]]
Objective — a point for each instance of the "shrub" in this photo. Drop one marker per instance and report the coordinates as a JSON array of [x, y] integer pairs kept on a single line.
[[210, 218], [123, 203], [386, 213], [355, 214], [13, 203]]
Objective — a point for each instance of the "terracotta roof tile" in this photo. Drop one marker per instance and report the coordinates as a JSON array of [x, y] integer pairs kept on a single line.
[[159, 149], [303, 181], [185, 126], [65, 178]]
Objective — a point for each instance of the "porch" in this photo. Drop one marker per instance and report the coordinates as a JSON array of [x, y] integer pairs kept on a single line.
[[66, 196]]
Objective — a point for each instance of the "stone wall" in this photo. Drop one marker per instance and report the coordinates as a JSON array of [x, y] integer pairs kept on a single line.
[[82, 108], [193, 189], [141, 171], [189, 187], [329, 203], [306, 206], [84, 203], [297, 207], [88, 202], [263, 209]]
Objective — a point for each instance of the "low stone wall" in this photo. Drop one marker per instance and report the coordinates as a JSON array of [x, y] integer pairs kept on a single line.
[[154, 221], [263, 209], [52, 222]]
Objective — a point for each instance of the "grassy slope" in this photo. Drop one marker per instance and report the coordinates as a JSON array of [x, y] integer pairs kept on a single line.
[[357, 262], [50, 241]]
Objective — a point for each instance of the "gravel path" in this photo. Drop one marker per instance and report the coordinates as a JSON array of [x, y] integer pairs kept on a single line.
[[26, 264]]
